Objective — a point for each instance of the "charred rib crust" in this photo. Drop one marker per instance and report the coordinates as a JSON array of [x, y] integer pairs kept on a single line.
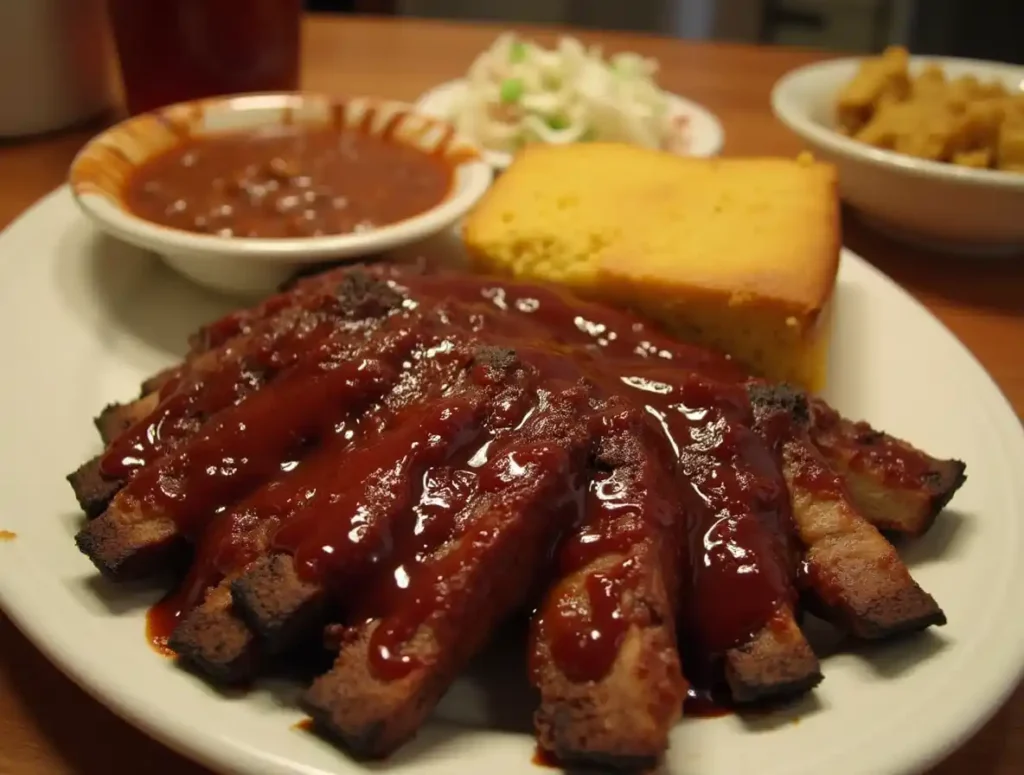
[[508, 535], [272, 599], [362, 295], [214, 640], [904, 507], [130, 525], [776, 663], [158, 380], [944, 481], [111, 422], [311, 273], [769, 398], [498, 359], [909, 609], [92, 491], [115, 419], [369, 718], [852, 575], [279, 605], [625, 716], [857, 581], [608, 723], [901, 511], [123, 550]]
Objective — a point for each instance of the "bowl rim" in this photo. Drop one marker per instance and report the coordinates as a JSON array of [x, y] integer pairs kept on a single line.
[[794, 114], [474, 173], [444, 92]]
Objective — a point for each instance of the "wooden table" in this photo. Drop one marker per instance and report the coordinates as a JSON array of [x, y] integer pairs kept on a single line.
[[50, 727]]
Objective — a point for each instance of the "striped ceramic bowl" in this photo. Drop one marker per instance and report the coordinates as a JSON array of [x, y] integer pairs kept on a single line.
[[249, 265]]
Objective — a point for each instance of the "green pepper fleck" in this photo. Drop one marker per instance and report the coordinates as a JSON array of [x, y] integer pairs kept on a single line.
[[511, 90], [551, 81], [558, 122], [517, 52]]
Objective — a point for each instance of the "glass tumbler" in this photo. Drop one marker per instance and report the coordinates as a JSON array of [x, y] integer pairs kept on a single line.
[[177, 50]]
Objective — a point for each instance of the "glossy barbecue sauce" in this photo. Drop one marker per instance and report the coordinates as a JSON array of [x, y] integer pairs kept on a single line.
[[161, 621], [219, 379], [440, 451], [631, 510], [903, 467], [465, 522]]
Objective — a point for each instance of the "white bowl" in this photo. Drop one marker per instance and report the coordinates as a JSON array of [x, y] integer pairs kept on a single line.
[[253, 265], [952, 208], [700, 132]]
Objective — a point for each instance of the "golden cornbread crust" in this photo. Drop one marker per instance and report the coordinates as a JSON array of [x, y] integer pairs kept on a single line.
[[737, 254]]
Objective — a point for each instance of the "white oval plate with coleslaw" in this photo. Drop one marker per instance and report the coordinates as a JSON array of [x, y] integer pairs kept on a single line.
[[700, 132]]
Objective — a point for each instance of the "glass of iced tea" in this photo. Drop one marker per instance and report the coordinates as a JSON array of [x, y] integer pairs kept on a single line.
[[176, 50]]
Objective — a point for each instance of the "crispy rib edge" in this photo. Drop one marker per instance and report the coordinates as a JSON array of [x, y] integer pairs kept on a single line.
[[92, 491], [607, 723], [893, 508], [371, 717], [155, 382], [276, 603], [852, 575], [776, 663], [903, 511], [856, 576], [131, 546], [215, 640], [115, 419], [623, 720]]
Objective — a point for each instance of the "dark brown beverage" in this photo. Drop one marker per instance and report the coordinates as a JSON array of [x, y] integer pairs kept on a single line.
[[176, 50]]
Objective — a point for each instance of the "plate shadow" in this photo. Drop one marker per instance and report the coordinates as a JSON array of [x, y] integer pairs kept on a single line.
[[121, 290], [945, 539]]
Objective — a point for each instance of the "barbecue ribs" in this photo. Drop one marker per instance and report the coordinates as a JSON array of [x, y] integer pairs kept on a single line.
[[394, 461]]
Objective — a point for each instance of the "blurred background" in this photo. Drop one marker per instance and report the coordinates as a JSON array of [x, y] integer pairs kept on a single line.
[[990, 29]]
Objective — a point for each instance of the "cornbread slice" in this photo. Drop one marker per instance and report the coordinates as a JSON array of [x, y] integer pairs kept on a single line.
[[736, 254]]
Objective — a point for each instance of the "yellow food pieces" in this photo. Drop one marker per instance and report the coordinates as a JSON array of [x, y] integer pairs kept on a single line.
[[964, 120]]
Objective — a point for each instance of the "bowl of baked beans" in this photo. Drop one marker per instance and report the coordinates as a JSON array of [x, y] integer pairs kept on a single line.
[[240, 192]]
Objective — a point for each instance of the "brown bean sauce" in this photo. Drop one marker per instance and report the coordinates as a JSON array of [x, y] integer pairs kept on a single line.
[[289, 182]]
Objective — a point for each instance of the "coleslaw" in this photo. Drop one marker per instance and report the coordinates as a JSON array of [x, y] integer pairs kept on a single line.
[[517, 92]]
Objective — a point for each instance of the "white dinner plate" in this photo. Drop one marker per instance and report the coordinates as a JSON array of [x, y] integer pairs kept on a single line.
[[702, 131], [86, 318]]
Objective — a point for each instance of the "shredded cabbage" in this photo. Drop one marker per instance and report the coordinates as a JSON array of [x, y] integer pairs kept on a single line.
[[518, 92]]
